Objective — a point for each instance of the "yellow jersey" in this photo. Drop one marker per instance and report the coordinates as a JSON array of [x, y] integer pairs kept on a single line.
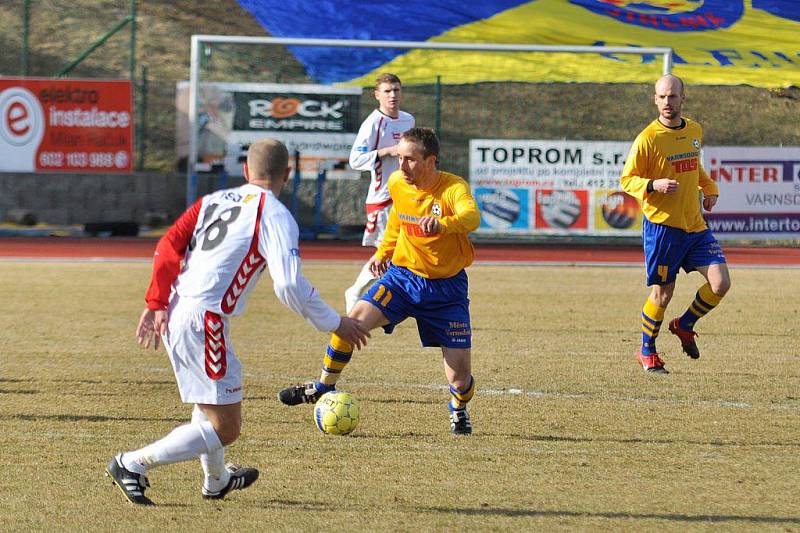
[[674, 153], [444, 254]]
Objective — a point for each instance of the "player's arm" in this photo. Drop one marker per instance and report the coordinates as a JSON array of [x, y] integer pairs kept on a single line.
[[390, 235], [379, 262], [364, 153], [466, 217], [280, 240], [170, 251], [710, 189], [634, 180]]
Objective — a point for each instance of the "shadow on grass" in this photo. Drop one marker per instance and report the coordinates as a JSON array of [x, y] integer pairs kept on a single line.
[[292, 504], [88, 418], [21, 391], [675, 517], [405, 400], [636, 440]]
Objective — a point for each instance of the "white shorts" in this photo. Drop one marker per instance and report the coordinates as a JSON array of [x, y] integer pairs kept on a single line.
[[199, 348], [376, 225]]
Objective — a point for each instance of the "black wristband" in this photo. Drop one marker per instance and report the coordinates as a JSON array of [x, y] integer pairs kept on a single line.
[[650, 186]]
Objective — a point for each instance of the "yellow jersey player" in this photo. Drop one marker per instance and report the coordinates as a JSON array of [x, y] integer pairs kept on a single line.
[[421, 262], [664, 171]]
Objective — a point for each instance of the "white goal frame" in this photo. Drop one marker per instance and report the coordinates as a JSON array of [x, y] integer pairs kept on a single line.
[[199, 40]]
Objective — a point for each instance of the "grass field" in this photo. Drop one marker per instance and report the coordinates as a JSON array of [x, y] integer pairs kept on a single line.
[[588, 441]]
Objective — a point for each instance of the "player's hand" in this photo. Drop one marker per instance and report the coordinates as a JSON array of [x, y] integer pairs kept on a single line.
[[665, 185], [377, 267], [709, 202], [351, 330], [429, 225], [388, 151], [152, 324]]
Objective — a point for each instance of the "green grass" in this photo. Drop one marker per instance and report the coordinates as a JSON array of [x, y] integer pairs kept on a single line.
[[591, 443], [61, 30]]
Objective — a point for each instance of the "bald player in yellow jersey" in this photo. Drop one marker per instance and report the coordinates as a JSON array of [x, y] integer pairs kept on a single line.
[[421, 262], [664, 172]]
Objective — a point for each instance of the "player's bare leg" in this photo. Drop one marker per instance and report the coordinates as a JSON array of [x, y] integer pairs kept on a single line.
[[707, 298], [221, 477], [337, 355], [212, 428], [652, 317], [458, 370]]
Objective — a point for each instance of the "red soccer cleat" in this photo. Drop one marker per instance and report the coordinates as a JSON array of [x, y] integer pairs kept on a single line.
[[651, 363], [687, 338]]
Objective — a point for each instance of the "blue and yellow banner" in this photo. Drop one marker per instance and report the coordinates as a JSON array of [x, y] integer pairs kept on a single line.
[[728, 42]]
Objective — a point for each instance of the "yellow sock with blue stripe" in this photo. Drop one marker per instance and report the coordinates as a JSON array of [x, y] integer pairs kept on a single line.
[[704, 301], [460, 397], [336, 358], [652, 316]]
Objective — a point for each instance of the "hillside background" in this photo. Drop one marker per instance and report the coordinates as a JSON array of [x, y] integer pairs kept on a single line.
[[60, 30]]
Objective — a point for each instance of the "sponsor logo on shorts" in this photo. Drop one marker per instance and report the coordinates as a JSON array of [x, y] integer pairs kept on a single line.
[[715, 249], [459, 329]]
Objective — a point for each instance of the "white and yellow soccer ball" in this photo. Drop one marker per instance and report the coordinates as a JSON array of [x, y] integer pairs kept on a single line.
[[336, 413]]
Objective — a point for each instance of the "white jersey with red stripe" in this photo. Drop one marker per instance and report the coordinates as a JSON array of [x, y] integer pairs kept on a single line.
[[227, 240], [378, 131]]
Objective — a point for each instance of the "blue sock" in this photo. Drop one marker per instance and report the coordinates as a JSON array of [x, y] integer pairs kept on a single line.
[[321, 387]]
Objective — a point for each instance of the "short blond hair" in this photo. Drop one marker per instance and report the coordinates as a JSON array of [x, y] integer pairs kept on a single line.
[[267, 159], [387, 77]]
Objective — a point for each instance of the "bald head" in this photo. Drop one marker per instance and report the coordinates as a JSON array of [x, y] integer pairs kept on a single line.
[[669, 99], [669, 82], [267, 160]]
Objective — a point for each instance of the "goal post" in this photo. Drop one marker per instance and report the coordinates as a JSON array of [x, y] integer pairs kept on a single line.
[[198, 41]]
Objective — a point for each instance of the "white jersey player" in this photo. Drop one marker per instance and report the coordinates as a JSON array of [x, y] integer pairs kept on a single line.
[[375, 149], [204, 269]]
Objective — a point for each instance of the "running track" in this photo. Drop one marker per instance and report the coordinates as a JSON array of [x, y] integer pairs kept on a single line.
[[42, 248]]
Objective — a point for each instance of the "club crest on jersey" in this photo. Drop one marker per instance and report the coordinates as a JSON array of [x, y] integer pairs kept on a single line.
[[436, 210], [696, 143]]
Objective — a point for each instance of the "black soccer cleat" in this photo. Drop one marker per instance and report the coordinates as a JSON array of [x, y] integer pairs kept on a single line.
[[241, 478], [460, 423], [297, 394], [130, 483]]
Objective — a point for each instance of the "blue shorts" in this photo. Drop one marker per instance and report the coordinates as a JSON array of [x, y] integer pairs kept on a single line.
[[668, 249], [440, 306]]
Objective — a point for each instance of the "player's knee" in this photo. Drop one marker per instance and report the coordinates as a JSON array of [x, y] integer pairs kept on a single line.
[[662, 294], [229, 432], [721, 286]]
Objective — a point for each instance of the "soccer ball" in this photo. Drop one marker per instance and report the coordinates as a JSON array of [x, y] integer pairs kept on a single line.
[[336, 413]]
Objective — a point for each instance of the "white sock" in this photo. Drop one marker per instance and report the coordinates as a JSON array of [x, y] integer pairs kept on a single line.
[[213, 463], [362, 284], [183, 443]]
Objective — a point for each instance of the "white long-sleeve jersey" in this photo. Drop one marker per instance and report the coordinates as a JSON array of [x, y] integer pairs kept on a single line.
[[376, 132], [228, 238]]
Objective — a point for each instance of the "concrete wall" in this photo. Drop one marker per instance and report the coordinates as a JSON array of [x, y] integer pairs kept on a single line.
[[67, 199]]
